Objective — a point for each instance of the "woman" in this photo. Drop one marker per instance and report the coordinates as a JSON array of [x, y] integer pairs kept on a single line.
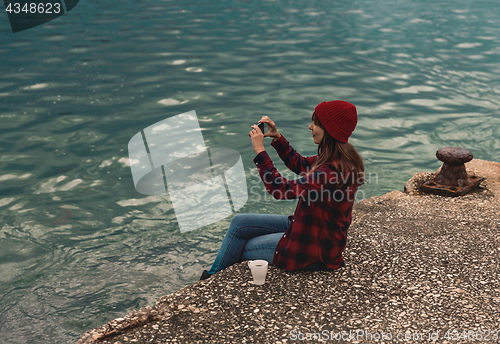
[[315, 236]]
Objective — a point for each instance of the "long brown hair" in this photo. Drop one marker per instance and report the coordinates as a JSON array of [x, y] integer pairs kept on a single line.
[[343, 155]]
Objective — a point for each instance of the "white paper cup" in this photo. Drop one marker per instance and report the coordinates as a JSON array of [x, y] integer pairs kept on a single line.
[[259, 271]]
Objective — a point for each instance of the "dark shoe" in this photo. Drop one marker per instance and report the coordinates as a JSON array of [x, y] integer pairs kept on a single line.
[[205, 275]]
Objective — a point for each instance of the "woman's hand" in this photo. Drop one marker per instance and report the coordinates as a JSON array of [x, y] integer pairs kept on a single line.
[[271, 128], [257, 139]]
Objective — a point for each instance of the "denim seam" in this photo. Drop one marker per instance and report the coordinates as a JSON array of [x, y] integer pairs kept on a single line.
[[239, 229], [259, 248]]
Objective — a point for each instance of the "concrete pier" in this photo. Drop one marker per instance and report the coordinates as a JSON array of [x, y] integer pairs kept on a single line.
[[418, 267]]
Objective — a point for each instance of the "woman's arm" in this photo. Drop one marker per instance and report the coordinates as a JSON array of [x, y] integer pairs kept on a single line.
[[293, 160], [316, 183]]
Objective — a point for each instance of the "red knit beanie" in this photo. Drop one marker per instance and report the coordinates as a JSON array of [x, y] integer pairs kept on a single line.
[[338, 117]]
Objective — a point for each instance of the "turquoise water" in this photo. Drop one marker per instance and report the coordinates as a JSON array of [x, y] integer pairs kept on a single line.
[[79, 246]]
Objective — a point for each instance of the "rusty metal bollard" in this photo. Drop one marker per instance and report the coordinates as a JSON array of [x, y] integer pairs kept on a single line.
[[453, 179]]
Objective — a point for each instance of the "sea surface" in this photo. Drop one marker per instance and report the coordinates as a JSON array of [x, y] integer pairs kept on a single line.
[[79, 246]]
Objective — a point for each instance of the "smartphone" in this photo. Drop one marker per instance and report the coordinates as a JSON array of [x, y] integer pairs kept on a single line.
[[261, 126]]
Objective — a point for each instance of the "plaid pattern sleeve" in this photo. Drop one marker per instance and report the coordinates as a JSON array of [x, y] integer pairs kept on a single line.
[[293, 160], [318, 228]]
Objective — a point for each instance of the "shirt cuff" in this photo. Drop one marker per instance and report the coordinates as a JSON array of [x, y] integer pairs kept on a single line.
[[261, 158], [279, 142]]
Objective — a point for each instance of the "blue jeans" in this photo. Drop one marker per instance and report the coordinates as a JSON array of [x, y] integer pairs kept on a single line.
[[250, 237]]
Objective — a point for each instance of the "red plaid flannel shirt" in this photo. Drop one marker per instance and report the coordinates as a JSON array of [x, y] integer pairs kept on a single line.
[[318, 228]]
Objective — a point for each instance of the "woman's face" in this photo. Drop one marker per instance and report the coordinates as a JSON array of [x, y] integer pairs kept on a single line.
[[317, 132]]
